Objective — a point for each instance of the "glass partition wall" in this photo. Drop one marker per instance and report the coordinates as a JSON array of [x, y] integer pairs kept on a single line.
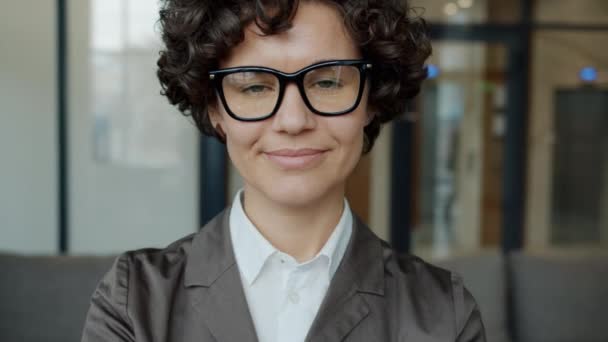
[[459, 143], [504, 147], [133, 158], [564, 144]]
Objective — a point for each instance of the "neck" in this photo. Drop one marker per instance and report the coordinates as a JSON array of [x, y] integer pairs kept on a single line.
[[300, 231]]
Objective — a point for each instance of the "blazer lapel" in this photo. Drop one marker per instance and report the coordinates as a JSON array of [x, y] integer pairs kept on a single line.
[[214, 287], [213, 280], [360, 273]]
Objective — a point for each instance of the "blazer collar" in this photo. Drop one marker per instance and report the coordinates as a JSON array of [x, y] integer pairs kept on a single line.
[[214, 286], [212, 254], [360, 274], [217, 296], [364, 259]]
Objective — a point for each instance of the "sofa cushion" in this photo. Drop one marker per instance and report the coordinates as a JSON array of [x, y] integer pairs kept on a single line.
[[483, 274], [45, 299], [560, 297]]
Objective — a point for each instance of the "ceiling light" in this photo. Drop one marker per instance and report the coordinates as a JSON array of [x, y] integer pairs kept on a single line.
[[450, 9], [465, 3]]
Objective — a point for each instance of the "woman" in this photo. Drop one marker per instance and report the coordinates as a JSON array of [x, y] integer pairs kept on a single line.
[[298, 92]]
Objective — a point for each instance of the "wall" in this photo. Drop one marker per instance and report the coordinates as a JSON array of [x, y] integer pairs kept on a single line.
[[28, 132]]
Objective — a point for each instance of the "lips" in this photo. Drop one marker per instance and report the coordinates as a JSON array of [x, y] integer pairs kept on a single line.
[[294, 159]]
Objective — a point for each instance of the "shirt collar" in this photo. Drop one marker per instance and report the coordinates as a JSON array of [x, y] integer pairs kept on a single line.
[[252, 250], [336, 245]]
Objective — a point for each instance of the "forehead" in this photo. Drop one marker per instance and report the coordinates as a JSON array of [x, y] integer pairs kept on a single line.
[[317, 33]]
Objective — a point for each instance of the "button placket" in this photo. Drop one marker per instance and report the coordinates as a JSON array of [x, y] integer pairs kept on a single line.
[[294, 285]]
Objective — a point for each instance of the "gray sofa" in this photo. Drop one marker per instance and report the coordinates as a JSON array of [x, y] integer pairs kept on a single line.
[[543, 297], [45, 299], [552, 298]]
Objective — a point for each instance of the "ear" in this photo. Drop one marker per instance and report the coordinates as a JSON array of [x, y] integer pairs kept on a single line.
[[214, 115], [216, 121], [371, 114]]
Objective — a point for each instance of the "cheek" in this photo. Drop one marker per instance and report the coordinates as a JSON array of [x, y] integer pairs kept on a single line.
[[348, 129], [241, 139], [352, 141], [355, 150], [348, 132]]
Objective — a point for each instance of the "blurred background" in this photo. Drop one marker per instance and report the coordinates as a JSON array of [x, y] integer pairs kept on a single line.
[[499, 169]]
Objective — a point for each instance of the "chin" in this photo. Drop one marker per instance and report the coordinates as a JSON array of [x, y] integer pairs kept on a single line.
[[294, 193]]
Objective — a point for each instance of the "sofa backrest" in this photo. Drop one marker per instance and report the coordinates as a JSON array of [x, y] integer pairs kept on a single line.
[[45, 299], [556, 298], [560, 297]]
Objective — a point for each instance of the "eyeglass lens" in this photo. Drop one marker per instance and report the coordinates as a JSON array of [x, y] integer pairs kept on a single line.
[[329, 89]]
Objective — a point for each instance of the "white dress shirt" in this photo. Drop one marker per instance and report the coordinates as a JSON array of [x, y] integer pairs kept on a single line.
[[283, 295]]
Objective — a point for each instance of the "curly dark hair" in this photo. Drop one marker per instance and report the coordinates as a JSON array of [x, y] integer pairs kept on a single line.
[[199, 33]]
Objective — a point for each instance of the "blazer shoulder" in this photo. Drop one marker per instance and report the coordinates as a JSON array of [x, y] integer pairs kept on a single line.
[[437, 280], [421, 270], [418, 272], [158, 262], [441, 291], [118, 302]]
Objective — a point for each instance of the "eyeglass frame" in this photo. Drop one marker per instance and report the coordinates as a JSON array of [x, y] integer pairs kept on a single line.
[[217, 76]]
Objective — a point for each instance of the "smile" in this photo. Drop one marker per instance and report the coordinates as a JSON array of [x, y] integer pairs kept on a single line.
[[288, 159]]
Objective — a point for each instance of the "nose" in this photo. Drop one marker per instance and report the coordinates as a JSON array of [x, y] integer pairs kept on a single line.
[[293, 116]]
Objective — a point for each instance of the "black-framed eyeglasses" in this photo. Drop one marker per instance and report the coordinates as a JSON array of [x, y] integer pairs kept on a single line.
[[254, 93]]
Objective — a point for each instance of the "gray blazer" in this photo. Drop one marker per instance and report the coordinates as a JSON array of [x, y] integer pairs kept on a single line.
[[191, 291]]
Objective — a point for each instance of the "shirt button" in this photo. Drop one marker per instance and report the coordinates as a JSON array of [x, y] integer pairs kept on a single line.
[[294, 297]]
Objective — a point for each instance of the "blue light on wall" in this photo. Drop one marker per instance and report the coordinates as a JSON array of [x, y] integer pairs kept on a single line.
[[432, 71], [588, 74]]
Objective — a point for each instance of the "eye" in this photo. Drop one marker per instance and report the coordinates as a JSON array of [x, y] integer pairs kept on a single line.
[[255, 89], [328, 84]]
